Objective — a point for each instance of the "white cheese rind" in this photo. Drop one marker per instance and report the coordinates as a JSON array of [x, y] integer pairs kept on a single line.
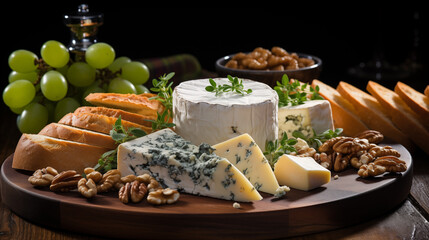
[[313, 114], [245, 154], [202, 117], [178, 164], [302, 173]]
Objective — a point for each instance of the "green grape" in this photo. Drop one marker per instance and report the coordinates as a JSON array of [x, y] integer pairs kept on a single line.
[[81, 74], [53, 85], [119, 85], [141, 89], [64, 106], [51, 109], [135, 72], [23, 61], [30, 76], [19, 93], [63, 70], [118, 63], [55, 54], [100, 55], [91, 89], [33, 118]]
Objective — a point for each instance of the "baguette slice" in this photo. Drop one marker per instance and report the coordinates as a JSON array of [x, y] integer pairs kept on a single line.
[[402, 115], [426, 92], [372, 114], [112, 112], [75, 134], [35, 151], [97, 123], [417, 101], [343, 112], [136, 103]]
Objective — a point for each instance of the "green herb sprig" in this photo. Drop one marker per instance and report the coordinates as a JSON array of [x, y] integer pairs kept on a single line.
[[275, 149], [318, 139], [118, 133], [236, 85], [292, 93], [162, 86]]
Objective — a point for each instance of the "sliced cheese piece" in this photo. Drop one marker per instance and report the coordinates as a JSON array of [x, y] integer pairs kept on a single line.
[[178, 164], [312, 115], [201, 116], [302, 173], [245, 154]]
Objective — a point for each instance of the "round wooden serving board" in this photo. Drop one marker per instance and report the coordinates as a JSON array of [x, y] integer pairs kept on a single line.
[[345, 201]]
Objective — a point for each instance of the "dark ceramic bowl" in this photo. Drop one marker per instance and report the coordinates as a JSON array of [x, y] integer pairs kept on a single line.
[[271, 77]]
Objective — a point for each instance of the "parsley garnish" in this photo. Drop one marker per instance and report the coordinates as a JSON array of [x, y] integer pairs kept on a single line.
[[236, 85], [292, 93]]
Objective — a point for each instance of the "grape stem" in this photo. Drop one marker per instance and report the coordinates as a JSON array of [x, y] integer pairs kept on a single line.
[[105, 75]]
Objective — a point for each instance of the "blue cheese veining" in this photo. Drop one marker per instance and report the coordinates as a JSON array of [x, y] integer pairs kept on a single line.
[[176, 163]]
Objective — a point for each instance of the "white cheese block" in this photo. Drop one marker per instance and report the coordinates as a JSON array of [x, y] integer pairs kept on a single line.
[[202, 117], [178, 164], [313, 114], [245, 154], [302, 173]]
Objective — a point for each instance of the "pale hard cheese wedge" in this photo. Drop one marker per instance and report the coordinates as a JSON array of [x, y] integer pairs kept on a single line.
[[312, 115], [178, 164], [245, 154], [302, 173], [201, 116]]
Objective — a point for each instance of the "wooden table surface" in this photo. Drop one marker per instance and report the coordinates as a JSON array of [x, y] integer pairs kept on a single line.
[[409, 220]]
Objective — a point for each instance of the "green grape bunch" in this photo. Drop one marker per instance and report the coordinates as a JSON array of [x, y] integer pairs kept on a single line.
[[42, 89]]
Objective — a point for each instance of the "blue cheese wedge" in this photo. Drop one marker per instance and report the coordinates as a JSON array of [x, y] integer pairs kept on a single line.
[[178, 164], [313, 114], [245, 154]]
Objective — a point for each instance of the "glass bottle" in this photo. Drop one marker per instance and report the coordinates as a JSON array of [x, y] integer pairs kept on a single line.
[[84, 26]]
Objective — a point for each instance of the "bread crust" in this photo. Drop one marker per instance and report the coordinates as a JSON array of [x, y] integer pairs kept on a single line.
[[125, 115], [75, 134], [402, 115], [34, 153], [136, 103], [342, 111], [373, 115], [97, 123], [417, 101]]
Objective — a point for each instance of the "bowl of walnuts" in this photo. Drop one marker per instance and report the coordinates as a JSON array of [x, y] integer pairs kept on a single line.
[[269, 65]]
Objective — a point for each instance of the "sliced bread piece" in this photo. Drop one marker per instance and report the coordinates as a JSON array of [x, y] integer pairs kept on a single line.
[[35, 151], [372, 114], [402, 115], [343, 112], [112, 112], [97, 123], [136, 103], [426, 92], [416, 100], [81, 135]]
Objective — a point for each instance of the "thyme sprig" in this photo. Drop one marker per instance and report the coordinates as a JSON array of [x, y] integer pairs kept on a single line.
[[275, 149], [292, 93], [118, 133], [162, 86], [236, 85]]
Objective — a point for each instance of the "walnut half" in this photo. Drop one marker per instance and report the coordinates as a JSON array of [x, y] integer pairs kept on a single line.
[[382, 165]]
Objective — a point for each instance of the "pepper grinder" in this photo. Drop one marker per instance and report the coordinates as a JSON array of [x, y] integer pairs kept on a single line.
[[84, 26]]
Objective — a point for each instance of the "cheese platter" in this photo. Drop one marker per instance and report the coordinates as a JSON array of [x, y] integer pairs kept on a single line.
[[232, 188], [342, 202]]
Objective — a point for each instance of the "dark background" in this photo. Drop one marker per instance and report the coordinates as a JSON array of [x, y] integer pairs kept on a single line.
[[342, 35]]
